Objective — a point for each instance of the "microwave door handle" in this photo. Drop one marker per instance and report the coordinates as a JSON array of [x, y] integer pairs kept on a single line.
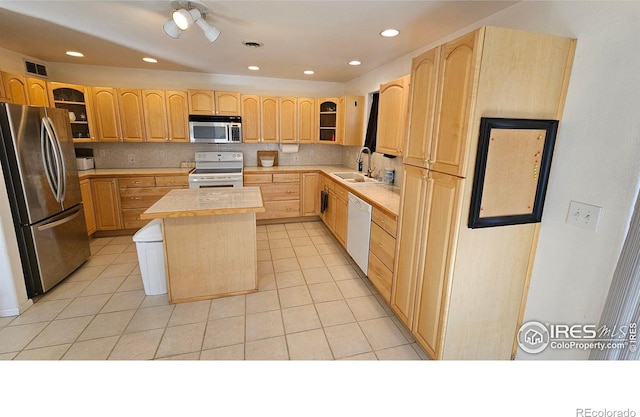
[[228, 126]]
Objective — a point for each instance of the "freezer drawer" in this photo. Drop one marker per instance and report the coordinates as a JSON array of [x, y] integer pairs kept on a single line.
[[61, 245]]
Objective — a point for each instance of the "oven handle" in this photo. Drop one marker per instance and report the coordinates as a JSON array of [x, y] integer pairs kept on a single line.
[[216, 179]]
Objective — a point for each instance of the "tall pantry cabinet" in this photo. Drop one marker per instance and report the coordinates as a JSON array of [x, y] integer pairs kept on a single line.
[[461, 291]]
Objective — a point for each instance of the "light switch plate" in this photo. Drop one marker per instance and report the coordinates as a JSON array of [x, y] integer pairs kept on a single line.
[[583, 215]]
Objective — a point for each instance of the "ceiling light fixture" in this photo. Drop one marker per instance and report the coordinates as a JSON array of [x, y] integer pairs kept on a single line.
[[309, 72], [355, 62], [74, 53], [185, 14], [254, 67], [150, 60], [390, 33]]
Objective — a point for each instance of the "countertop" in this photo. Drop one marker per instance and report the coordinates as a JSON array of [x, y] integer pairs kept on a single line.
[[386, 197], [206, 202]]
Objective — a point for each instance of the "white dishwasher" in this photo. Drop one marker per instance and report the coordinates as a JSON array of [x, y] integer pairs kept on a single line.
[[359, 231]]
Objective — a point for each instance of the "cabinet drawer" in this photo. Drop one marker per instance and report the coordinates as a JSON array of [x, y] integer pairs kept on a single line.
[[383, 245], [280, 209], [380, 276], [286, 177], [131, 218], [281, 191], [172, 181], [137, 182], [141, 197], [257, 179], [341, 193], [384, 220]]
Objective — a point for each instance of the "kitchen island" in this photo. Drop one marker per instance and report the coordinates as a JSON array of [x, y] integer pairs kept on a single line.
[[209, 241]]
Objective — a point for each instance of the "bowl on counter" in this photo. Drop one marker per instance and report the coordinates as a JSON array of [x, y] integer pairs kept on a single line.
[[267, 161]]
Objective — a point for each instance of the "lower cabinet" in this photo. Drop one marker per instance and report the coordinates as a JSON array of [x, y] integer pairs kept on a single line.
[[382, 248], [280, 194], [106, 203], [335, 214], [310, 199], [87, 205]]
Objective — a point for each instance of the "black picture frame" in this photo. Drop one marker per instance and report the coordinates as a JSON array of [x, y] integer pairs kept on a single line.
[[512, 134]]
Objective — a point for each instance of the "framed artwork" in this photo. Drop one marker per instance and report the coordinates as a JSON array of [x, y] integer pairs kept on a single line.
[[512, 171]]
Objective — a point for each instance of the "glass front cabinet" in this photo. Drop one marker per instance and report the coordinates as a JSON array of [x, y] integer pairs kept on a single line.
[[328, 121], [75, 99]]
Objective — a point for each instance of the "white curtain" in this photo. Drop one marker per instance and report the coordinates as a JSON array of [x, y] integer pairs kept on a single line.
[[623, 302]]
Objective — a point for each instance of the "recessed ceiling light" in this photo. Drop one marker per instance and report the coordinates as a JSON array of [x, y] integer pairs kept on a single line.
[[76, 54], [309, 72], [389, 33], [150, 60], [355, 62], [253, 67]]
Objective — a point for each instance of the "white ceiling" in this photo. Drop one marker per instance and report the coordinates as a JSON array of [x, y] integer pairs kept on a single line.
[[296, 35]]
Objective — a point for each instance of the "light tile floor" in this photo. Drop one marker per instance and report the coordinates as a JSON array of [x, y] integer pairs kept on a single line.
[[313, 303]]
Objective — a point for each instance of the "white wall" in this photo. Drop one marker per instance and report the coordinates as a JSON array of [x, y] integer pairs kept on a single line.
[[596, 159]]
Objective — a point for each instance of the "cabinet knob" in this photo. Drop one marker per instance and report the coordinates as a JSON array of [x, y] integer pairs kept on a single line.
[[377, 274]]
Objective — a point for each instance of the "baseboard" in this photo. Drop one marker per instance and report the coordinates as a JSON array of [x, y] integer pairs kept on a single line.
[[10, 312]]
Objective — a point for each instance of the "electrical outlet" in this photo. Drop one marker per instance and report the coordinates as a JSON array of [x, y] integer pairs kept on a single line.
[[131, 158], [161, 154], [583, 215], [103, 153]]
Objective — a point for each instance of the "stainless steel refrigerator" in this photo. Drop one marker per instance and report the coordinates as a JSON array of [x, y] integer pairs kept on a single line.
[[38, 163]]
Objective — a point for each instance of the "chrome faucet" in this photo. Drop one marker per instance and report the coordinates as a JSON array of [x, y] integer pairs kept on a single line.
[[369, 169]]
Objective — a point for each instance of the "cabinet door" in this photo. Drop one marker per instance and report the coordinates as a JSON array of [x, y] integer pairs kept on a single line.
[[310, 194], [350, 119], [432, 286], [155, 115], [414, 195], [306, 120], [392, 116], [87, 205], [131, 115], [201, 102], [227, 103], [340, 230], [15, 87], [456, 73], [328, 121], [177, 116], [75, 99], [288, 119], [106, 203], [107, 119], [250, 118], [270, 114], [3, 93], [37, 92], [424, 78]]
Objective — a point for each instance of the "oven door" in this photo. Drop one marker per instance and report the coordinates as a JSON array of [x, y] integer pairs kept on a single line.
[[209, 132], [222, 181]]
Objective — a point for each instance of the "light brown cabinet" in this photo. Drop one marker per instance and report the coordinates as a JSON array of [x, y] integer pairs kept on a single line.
[[15, 87], [208, 102], [106, 202], [327, 121], [350, 120], [269, 117], [342, 218], [131, 114], [460, 291], [87, 206], [306, 120], [382, 249], [165, 116], [106, 112], [288, 120], [280, 194], [392, 116], [3, 93], [310, 198], [251, 120], [77, 100], [37, 91]]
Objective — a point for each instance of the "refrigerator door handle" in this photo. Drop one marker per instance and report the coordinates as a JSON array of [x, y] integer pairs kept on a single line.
[[62, 179], [49, 147], [57, 223]]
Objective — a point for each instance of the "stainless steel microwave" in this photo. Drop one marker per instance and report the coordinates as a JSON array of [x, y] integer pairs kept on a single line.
[[215, 129]]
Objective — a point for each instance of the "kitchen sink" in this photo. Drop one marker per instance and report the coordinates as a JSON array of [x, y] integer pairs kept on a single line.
[[353, 177]]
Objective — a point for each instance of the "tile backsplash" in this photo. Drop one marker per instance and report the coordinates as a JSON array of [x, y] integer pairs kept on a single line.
[[169, 155]]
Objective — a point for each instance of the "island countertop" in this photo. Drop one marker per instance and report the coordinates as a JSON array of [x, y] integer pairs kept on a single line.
[[206, 202]]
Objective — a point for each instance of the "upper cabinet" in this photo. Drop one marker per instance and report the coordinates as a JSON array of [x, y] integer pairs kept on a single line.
[[288, 119], [392, 116], [424, 73], [327, 120], [350, 119], [76, 99], [131, 115], [19, 89], [306, 120], [269, 117], [208, 102], [107, 115], [155, 115], [3, 93], [177, 116], [250, 119]]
